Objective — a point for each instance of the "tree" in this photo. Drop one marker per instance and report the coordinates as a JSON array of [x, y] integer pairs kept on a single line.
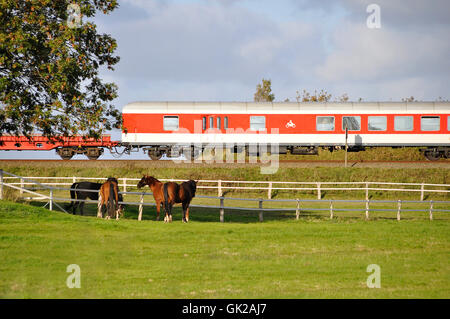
[[322, 96], [263, 92], [49, 67]]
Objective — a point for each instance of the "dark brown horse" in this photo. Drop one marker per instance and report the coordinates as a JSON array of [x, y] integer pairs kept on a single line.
[[110, 197], [182, 194]]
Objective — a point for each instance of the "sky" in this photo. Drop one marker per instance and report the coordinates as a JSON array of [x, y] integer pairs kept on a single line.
[[219, 50]]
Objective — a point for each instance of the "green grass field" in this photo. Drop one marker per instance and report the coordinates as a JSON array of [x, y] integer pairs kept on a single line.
[[313, 257]]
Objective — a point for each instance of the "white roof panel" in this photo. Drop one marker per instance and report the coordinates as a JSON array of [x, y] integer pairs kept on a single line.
[[287, 107]]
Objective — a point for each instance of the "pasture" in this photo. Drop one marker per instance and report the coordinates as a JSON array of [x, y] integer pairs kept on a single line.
[[309, 258], [313, 257]]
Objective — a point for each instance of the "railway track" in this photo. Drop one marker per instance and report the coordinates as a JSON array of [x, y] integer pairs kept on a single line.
[[169, 161]]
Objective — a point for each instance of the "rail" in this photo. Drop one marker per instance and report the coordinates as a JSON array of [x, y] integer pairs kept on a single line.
[[269, 186], [298, 207]]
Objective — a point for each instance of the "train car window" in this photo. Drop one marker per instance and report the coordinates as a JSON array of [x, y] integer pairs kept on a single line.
[[430, 123], [353, 123], [171, 123], [257, 123], [211, 122], [225, 122], [204, 123], [219, 123], [325, 123], [377, 123], [403, 123]]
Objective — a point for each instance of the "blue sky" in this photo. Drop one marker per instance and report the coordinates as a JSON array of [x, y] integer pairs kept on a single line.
[[219, 50]]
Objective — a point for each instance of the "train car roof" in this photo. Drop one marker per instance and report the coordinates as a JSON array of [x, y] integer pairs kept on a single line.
[[288, 107]]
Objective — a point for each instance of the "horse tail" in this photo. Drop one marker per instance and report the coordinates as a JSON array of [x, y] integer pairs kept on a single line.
[[166, 197], [72, 195], [111, 199]]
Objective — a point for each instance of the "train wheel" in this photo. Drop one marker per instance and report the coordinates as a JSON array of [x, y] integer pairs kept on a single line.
[[432, 155], [155, 155], [93, 153], [65, 153]]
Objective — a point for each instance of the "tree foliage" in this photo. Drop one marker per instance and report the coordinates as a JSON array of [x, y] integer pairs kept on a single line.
[[264, 92], [50, 70]]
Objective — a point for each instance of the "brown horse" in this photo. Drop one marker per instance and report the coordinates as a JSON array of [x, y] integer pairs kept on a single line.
[[157, 189], [110, 197], [169, 194], [178, 194]]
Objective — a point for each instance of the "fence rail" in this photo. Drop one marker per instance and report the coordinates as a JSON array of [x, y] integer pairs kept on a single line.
[[269, 186], [260, 209]]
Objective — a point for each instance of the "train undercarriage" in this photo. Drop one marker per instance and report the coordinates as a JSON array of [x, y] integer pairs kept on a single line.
[[190, 152]]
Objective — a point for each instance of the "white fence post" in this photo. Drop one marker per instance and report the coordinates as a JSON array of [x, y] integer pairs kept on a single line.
[[399, 208], [1, 184], [21, 185], [219, 188], [222, 210], [367, 191], [74, 179], [331, 209], [51, 199], [260, 211], [297, 211], [141, 208], [431, 210], [319, 193], [422, 187], [367, 209], [124, 184], [269, 192]]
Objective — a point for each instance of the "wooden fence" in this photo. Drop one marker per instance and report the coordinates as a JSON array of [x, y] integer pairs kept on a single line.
[[297, 204], [269, 186]]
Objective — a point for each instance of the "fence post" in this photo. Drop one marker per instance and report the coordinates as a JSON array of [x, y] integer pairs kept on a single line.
[[260, 211], [367, 209], [269, 192], [367, 191], [51, 199], [431, 210], [219, 188], [141, 207], [297, 211], [21, 185], [319, 193], [124, 184], [1, 184], [422, 191], [399, 205], [222, 210], [331, 209], [99, 207], [74, 179]]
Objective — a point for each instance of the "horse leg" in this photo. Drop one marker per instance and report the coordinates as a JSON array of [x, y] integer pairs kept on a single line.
[[82, 208], [187, 213], [99, 206], [184, 213], [158, 208]]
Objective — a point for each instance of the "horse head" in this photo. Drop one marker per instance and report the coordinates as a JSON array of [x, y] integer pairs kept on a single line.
[[142, 182]]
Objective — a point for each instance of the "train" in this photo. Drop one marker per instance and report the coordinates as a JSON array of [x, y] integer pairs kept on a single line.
[[302, 128]]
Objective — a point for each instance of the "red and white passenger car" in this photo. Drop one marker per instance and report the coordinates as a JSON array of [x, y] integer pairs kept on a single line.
[[298, 128]]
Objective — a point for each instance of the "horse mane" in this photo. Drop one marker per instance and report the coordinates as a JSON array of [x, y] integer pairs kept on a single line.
[[150, 180]]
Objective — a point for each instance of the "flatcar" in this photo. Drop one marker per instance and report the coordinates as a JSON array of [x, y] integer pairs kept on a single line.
[[66, 147], [297, 128]]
